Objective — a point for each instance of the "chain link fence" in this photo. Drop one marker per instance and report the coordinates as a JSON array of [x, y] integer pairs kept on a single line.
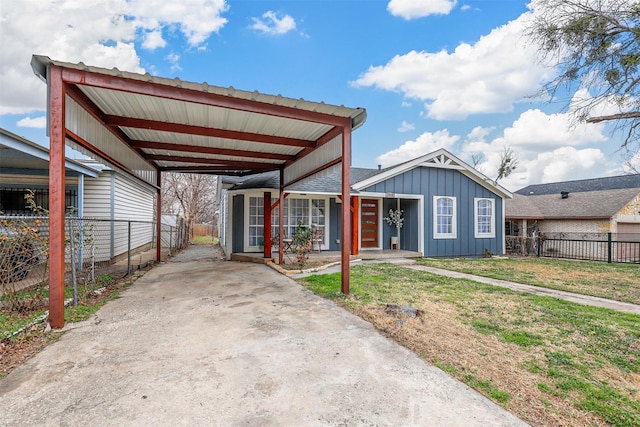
[[96, 252]]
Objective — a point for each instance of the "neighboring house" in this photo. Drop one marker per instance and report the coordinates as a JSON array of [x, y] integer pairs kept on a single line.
[[92, 191], [587, 209], [595, 206], [449, 208]]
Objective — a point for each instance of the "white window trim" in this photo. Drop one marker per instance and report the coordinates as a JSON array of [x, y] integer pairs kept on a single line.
[[454, 219], [247, 203], [476, 234], [325, 243]]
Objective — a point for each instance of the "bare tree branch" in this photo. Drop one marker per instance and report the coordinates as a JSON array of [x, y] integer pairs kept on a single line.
[[619, 116], [595, 44]]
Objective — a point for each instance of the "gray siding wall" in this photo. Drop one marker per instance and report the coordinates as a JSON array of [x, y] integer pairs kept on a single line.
[[335, 224], [443, 182], [97, 196], [238, 224], [117, 197]]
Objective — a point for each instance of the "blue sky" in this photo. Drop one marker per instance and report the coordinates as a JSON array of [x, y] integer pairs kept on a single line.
[[431, 73]]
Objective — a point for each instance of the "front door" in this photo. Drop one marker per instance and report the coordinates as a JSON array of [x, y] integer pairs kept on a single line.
[[369, 216]]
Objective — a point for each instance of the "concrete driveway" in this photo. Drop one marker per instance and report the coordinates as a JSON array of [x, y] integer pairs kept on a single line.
[[200, 342]]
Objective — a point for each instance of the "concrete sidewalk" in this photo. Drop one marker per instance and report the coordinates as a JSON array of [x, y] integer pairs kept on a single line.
[[201, 342]]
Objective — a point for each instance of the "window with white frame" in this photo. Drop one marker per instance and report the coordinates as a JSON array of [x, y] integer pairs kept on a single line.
[[310, 212], [484, 218], [318, 215], [444, 217], [298, 214], [256, 221]]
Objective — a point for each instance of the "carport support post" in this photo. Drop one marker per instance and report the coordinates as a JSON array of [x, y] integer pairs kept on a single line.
[[355, 216], [280, 217], [267, 224], [57, 126], [159, 217], [346, 207]]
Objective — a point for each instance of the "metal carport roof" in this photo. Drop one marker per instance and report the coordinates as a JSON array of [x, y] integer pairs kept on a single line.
[[145, 125]]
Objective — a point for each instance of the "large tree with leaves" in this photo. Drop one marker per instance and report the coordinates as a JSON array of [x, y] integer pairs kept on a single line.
[[596, 45]]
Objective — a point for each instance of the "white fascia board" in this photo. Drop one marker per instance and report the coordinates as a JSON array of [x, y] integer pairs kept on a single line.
[[253, 190], [389, 173], [315, 193], [38, 151], [389, 195], [452, 162]]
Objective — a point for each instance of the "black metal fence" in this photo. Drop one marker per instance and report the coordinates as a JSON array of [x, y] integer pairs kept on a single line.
[[94, 249], [606, 247]]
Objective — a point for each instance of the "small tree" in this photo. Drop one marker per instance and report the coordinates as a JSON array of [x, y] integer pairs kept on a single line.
[[508, 163], [302, 242]]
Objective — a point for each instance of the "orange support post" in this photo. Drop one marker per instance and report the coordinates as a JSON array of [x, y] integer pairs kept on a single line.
[[57, 125], [346, 208], [280, 218], [158, 217], [355, 231], [267, 224]]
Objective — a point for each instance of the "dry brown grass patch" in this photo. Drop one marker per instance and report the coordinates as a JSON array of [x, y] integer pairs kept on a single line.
[[440, 338]]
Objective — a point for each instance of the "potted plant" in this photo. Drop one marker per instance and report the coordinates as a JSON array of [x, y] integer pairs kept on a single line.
[[395, 219]]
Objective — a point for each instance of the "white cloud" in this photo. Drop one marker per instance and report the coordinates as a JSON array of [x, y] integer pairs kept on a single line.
[[424, 144], [411, 9], [632, 164], [272, 24], [548, 147], [486, 77], [174, 59], [153, 40], [479, 133], [406, 126], [35, 122], [100, 33], [535, 130], [197, 19], [561, 164]]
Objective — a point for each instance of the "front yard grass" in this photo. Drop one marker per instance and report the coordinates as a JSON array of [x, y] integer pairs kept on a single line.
[[620, 282], [548, 361]]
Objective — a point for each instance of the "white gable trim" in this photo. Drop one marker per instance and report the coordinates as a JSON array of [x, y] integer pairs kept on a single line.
[[438, 159]]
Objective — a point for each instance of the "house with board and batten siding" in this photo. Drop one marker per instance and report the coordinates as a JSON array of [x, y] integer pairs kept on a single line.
[[95, 191], [449, 209]]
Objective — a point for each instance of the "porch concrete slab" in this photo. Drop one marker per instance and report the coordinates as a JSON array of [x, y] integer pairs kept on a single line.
[[199, 341]]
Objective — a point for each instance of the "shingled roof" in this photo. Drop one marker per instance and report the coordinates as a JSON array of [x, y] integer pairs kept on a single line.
[[585, 199], [578, 186], [330, 184]]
